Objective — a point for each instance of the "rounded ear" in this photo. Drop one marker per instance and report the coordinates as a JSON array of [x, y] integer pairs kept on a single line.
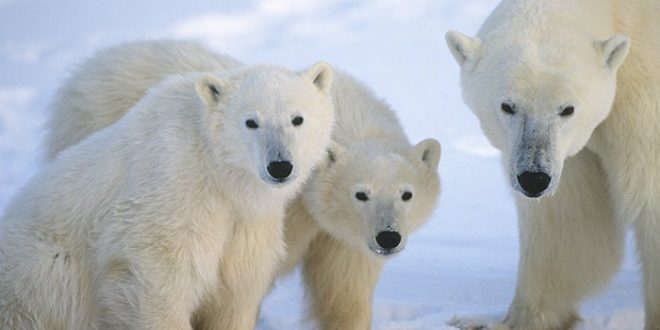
[[335, 152], [210, 89], [463, 48], [427, 151], [320, 74], [614, 51]]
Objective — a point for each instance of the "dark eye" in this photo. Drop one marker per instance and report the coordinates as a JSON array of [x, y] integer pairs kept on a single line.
[[251, 124], [297, 121], [406, 196], [567, 111], [508, 108], [361, 196]]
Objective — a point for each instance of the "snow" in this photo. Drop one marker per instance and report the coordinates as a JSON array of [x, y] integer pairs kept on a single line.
[[462, 263]]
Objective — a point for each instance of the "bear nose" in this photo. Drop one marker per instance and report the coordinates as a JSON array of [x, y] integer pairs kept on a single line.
[[534, 183], [280, 170], [388, 239]]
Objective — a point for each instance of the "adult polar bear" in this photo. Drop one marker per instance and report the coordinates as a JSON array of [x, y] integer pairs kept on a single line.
[[571, 89], [340, 239], [174, 210]]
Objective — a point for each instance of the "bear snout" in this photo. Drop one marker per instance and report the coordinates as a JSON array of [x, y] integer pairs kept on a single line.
[[280, 170], [388, 240], [533, 183]]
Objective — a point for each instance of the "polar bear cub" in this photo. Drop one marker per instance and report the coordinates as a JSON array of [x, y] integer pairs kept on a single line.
[[173, 212], [359, 207], [373, 190]]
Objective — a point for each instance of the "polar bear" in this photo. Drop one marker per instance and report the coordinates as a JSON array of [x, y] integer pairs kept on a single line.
[[359, 207], [175, 210], [568, 91]]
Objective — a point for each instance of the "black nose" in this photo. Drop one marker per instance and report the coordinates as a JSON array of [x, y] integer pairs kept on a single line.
[[388, 239], [280, 170], [533, 183]]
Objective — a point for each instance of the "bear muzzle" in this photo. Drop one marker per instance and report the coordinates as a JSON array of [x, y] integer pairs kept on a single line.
[[533, 184], [280, 170], [388, 243]]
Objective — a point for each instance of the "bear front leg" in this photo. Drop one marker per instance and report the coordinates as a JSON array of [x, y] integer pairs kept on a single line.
[[570, 246], [247, 270], [647, 232], [136, 298], [340, 282]]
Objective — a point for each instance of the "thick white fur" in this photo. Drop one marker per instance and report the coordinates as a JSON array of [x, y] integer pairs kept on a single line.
[[601, 57], [333, 232], [161, 214], [116, 79], [325, 226]]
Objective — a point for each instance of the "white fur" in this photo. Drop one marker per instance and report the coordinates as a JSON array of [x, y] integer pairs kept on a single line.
[[370, 150], [601, 58], [333, 232], [164, 212]]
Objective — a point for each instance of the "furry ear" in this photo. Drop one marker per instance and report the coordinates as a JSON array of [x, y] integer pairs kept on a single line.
[[210, 89], [464, 48], [614, 50], [335, 151], [321, 75], [428, 151]]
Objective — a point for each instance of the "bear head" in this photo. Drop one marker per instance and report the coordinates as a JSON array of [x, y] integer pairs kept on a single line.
[[373, 198], [538, 95], [269, 121]]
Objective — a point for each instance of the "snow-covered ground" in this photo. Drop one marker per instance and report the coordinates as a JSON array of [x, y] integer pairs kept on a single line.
[[462, 263]]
